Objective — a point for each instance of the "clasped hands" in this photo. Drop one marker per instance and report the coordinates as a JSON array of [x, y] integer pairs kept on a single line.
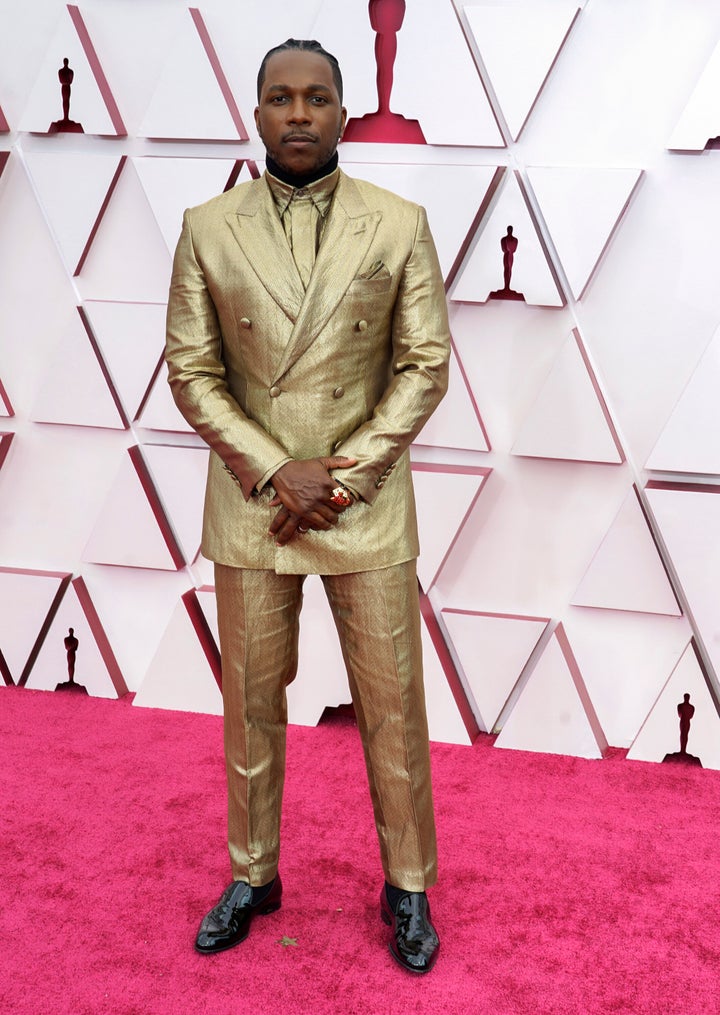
[[302, 492]]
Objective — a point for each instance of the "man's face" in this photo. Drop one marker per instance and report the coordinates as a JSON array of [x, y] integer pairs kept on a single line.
[[299, 117]]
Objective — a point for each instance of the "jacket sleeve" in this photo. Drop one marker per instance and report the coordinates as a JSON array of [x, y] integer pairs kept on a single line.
[[196, 373], [420, 355]]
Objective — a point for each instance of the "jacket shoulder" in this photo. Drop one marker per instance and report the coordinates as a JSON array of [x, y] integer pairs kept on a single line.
[[228, 201], [378, 197]]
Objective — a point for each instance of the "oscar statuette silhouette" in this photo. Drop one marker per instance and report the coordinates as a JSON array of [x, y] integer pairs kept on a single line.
[[71, 647], [686, 711], [508, 245], [66, 125], [383, 126]]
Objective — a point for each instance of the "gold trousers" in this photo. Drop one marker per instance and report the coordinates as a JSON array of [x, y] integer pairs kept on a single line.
[[378, 620]]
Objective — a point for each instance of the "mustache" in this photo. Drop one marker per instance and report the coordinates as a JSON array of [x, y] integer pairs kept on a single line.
[[299, 136]]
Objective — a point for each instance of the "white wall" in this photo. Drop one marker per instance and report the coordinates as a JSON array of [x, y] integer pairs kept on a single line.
[[568, 487]]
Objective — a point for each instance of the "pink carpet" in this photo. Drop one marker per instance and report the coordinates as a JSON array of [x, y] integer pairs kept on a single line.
[[567, 886]]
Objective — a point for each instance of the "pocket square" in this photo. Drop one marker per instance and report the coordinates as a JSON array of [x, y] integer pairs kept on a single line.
[[375, 268]]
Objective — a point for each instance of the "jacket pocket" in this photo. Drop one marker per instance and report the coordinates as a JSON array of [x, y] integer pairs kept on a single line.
[[380, 283]]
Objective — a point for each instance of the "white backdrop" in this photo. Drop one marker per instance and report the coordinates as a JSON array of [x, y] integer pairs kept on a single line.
[[567, 488]]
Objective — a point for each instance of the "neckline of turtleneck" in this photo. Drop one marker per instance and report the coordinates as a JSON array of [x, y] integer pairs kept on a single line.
[[293, 180]]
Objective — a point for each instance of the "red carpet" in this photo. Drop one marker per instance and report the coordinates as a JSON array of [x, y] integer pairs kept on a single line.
[[567, 886]]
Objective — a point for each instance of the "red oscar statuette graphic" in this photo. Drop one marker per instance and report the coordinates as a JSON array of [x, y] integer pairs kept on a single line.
[[66, 125], [508, 245], [383, 126], [71, 647], [685, 711]]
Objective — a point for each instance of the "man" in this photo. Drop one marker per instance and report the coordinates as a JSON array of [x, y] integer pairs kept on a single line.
[[307, 344]]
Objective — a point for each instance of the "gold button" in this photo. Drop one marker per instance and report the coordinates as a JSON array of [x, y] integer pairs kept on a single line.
[[274, 391], [362, 325], [338, 392], [245, 322]]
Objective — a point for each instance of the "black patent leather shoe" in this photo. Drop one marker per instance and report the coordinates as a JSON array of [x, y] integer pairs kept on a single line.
[[228, 923], [414, 942]]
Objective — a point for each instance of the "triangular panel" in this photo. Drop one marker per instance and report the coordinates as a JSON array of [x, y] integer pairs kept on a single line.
[[625, 659], [96, 667], [73, 190], [690, 441], [192, 98], [626, 572], [445, 496], [30, 599], [582, 207], [136, 605], [321, 681], [482, 272], [700, 121], [180, 675], [179, 476], [553, 713], [92, 105], [492, 650], [75, 389], [159, 411], [451, 196], [456, 423], [660, 734], [4, 125], [534, 36], [689, 523], [445, 721], [206, 632], [433, 29], [569, 419], [131, 338], [127, 223], [132, 530], [172, 185], [425, 27]]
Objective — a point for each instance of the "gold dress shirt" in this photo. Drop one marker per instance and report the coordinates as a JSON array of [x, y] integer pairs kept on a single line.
[[303, 212]]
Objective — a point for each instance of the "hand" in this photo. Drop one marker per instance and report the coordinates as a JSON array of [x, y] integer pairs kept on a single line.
[[302, 490]]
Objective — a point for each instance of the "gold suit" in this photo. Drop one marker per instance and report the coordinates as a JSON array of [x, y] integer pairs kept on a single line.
[[267, 369]]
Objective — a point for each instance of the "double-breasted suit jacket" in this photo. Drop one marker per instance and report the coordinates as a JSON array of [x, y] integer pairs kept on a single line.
[[267, 371]]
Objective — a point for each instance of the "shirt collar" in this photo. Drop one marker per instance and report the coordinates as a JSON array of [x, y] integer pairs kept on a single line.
[[320, 192]]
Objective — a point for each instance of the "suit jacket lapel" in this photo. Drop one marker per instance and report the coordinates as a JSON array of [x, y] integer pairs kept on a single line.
[[257, 228], [349, 231]]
